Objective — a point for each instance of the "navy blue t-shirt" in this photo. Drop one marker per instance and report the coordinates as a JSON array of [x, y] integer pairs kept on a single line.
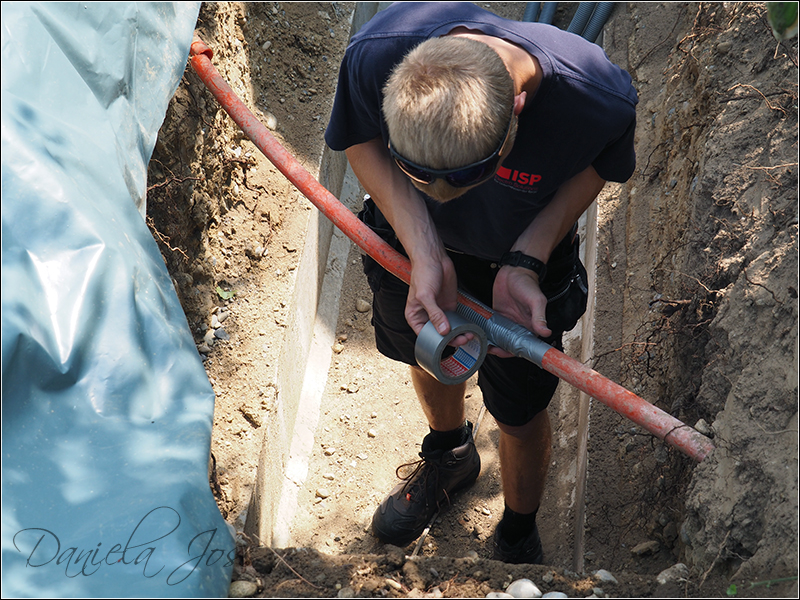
[[582, 114]]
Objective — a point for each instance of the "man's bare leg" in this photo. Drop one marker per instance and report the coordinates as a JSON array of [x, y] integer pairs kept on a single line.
[[442, 404], [524, 459]]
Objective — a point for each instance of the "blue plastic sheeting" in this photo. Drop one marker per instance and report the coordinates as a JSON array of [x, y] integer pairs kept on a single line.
[[106, 407]]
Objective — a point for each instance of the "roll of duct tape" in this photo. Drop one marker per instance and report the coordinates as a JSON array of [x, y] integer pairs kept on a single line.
[[450, 364]]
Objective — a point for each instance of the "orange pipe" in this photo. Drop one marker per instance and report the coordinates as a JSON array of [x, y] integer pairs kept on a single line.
[[661, 424], [326, 202], [628, 404]]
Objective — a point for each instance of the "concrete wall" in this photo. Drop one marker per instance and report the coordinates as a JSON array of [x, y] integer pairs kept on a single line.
[[305, 353]]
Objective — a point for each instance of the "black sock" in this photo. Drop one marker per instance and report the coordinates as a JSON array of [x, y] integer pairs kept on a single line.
[[516, 526], [447, 440]]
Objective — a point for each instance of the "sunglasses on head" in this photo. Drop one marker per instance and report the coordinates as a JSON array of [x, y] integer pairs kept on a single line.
[[472, 174]]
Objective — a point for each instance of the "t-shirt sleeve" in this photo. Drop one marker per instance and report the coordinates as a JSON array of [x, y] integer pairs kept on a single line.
[[617, 161], [356, 114]]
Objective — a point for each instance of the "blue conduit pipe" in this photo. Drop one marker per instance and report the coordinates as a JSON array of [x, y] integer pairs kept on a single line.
[[581, 18], [548, 12], [598, 20], [531, 12]]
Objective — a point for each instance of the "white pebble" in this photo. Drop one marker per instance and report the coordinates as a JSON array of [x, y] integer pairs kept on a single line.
[[242, 589], [523, 588], [605, 576], [271, 121], [676, 573], [555, 595], [393, 584], [498, 595]]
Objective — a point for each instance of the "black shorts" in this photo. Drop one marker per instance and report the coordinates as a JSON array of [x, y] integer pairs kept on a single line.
[[514, 389]]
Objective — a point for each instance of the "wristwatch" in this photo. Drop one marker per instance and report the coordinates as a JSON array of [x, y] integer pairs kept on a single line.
[[518, 259]]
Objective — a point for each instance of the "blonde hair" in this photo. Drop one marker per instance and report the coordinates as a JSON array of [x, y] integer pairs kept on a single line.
[[447, 104]]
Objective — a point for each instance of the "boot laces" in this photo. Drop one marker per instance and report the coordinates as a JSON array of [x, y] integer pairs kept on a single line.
[[413, 484]]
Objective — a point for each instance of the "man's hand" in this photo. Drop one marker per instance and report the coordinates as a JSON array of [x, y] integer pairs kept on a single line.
[[433, 290], [517, 296], [433, 287]]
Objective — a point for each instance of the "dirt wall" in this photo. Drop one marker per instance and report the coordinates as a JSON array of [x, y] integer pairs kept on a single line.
[[702, 265]]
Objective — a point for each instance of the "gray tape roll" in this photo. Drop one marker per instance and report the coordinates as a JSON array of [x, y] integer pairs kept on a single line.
[[448, 364]]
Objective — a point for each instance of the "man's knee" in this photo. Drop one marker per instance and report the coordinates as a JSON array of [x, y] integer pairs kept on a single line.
[[539, 425]]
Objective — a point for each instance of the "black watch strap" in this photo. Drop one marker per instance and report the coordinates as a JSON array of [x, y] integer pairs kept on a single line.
[[518, 259]]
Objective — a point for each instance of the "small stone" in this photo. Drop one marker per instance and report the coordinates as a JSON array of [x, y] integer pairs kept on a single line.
[[271, 121], [322, 493], [352, 388], [329, 476], [523, 588], [372, 433], [548, 577], [203, 349], [242, 589], [338, 347], [675, 574], [472, 556], [498, 595], [605, 576], [598, 592], [645, 548], [215, 324], [329, 451], [362, 305], [393, 584], [486, 511], [346, 592], [702, 427], [555, 595], [222, 315], [221, 334], [362, 456], [208, 338]]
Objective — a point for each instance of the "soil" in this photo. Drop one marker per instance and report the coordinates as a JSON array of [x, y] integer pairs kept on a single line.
[[696, 311]]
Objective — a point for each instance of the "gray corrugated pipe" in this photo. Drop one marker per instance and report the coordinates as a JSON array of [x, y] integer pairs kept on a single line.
[[581, 18], [531, 12], [598, 20], [548, 12]]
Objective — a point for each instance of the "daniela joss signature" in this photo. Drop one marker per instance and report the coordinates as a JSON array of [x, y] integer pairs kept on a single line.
[[47, 550]]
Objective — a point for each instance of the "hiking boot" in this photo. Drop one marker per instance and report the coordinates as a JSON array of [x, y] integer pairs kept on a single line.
[[408, 509], [526, 551]]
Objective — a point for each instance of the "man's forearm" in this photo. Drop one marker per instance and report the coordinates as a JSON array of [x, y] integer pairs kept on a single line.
[[555, 220], [397, 199]]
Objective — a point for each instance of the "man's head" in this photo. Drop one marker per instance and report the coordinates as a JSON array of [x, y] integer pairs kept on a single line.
[[449, 104]]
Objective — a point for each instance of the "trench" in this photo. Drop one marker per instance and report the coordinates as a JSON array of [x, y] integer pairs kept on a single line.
[[570, 465]]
